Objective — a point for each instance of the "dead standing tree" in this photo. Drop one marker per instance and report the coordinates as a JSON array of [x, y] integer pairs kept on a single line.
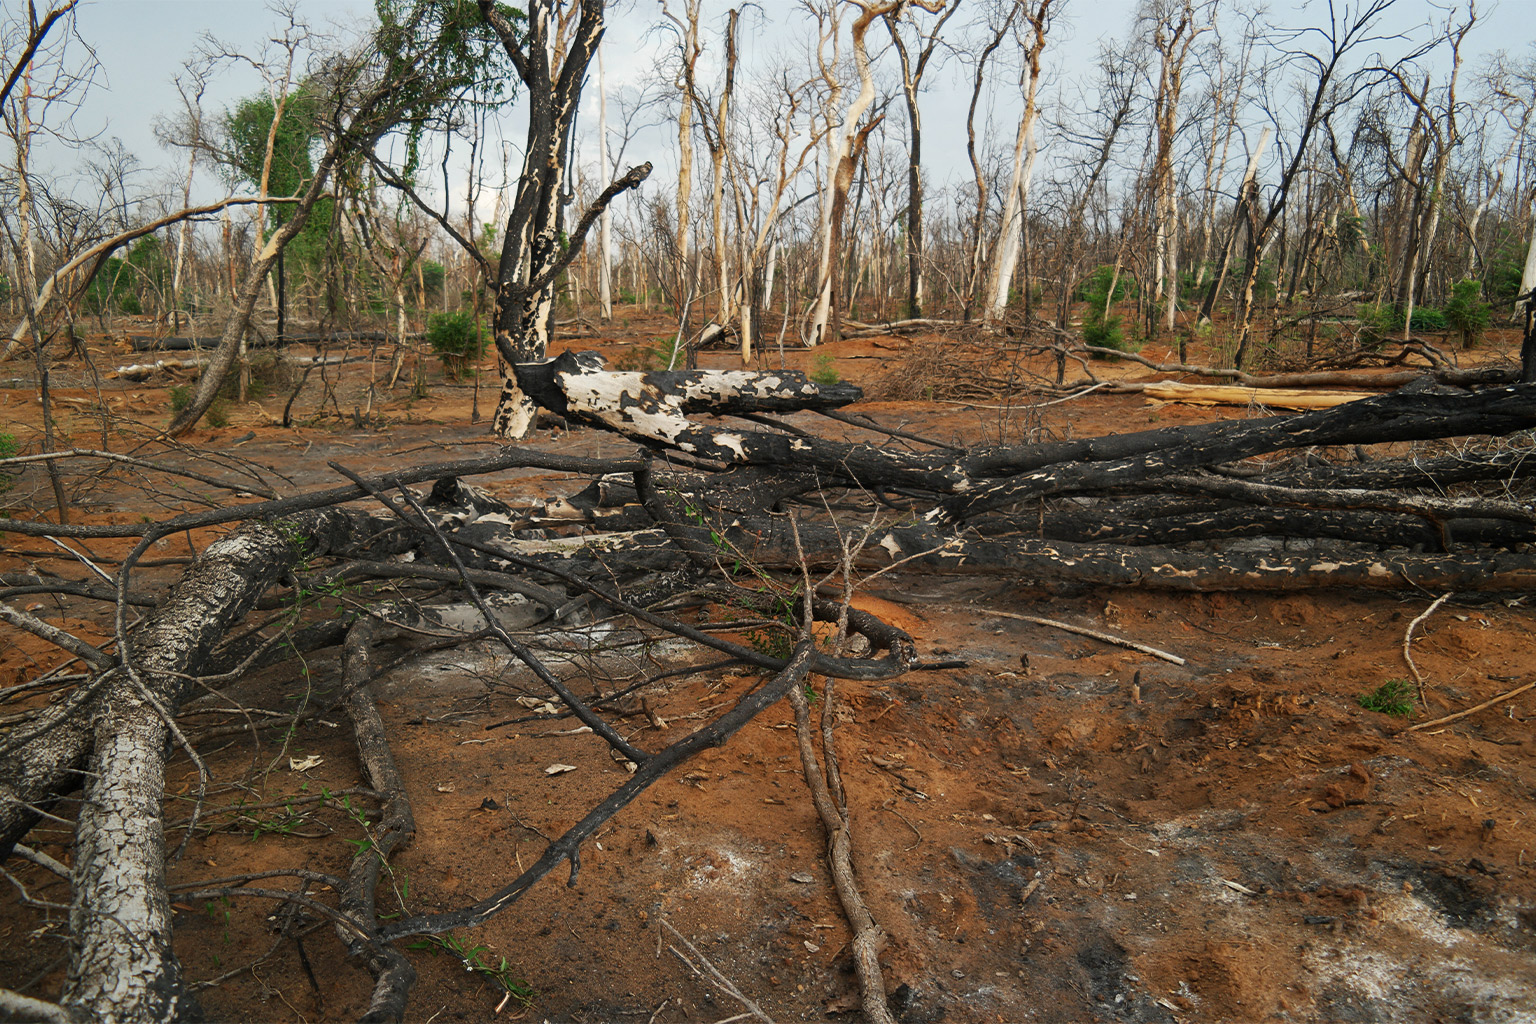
[[1175, 28], [531, 257], [911, 84], [1010, 236], [1330, 85], [845, 148]]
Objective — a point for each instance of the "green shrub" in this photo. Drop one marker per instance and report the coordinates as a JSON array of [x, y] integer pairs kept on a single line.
[[130, 304], [181, 397], [824, 371], [1427, 318], [217, 414], [1383, 322], [1102, 329], [1467, 313], [457, 340], [1393, 697], [1105, 332], [1504, 273], [1379, 323], [1096, 284], [8, 449]]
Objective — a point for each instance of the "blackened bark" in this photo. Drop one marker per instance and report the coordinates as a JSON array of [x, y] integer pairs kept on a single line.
[[392, 973]]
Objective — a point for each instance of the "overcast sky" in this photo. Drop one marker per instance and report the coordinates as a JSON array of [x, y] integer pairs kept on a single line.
[[142, 45]]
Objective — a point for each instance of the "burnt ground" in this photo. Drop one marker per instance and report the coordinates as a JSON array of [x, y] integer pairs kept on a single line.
[[1062, 830]]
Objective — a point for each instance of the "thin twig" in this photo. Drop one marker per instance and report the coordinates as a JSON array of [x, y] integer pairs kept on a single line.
[[720, 981], [1517, 691], [1408, 641], [1108, 638]]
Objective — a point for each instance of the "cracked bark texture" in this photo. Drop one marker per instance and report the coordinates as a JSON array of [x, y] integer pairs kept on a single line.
[[122, 967]]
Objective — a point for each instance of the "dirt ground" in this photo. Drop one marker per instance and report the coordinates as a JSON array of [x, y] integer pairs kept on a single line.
[[1062, 830]]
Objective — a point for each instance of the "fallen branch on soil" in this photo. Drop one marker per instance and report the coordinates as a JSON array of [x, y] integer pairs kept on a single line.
[[1408, 640], [712, 974], [1501, 698], [1108, 638], [868, 938]]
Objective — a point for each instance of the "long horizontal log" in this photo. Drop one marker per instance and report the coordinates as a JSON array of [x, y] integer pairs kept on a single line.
[[768, 543], [1232, 394], [1116, 521], [1125, 459]]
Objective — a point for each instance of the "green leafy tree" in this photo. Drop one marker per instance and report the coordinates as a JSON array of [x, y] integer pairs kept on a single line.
[[459, 64], [458, 339], [247, 128]]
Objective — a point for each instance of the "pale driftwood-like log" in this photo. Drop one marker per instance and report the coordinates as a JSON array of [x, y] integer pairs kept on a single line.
[[1231, 394]]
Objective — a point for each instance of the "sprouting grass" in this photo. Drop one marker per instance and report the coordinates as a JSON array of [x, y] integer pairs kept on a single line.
[[1393, 697]]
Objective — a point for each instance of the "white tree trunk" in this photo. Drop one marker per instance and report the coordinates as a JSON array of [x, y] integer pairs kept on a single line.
[[605, 245], [1005, 255], [1528, 275]]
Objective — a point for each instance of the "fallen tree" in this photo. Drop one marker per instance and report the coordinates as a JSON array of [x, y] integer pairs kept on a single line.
[[724, 503]]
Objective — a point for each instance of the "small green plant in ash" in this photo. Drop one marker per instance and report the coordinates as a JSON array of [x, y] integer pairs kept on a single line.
[[1393, 697], [475, 958], [824, 369], [457, 339]]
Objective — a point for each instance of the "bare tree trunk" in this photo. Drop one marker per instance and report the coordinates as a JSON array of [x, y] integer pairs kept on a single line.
[[689, 55], [911, 82], [1528, 296], [1173, 35], [1005, 254], [1249, 183], [531, 258], [605, 245]]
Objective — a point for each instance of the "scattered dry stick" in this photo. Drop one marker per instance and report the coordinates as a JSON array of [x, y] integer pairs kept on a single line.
[[1408, 640], [712, 974], [1108, 638], [867, 935], [1517, 691]]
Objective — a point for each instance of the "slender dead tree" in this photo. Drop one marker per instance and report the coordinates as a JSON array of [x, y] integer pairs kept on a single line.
[[846, 147], [689, 49], [911, 85], [1010, 239], [997, 31], [1440, 128], [1175, 28]]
